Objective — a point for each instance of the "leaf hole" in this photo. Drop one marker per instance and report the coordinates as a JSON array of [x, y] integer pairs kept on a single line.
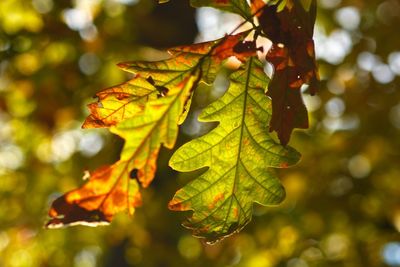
[[133, 173]]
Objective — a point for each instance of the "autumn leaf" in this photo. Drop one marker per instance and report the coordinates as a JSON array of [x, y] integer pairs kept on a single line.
[[293, 57], [109, 190], [240, 155], [145, 112]]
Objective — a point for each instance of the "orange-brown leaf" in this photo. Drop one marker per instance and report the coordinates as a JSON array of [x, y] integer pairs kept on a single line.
[[256, 5], [233, 46], [219, 50], [109, 190]]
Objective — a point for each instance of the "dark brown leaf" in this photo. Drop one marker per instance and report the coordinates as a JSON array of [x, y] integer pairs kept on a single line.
[[293, 57]]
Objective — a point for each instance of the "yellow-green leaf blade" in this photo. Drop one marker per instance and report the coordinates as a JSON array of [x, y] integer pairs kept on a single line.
[[156, 126], [119, 103], [239, 153]]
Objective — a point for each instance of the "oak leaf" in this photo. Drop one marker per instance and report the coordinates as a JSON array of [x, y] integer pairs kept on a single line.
[[293, 57], [240, 154]]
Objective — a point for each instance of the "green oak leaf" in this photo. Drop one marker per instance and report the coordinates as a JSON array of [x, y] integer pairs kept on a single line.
[[239, 153]]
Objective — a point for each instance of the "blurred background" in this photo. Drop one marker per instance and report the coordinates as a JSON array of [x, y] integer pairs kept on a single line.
[[343, 198]]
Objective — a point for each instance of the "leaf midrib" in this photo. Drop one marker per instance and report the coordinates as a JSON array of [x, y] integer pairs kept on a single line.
[[126, 162], [235, 181]]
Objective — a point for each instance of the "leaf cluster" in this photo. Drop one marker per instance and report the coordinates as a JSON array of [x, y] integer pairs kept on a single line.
[[240, 152]]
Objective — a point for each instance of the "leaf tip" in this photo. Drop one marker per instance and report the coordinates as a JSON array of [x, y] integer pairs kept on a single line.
[[63, 214], [123, 65], [284, 165]]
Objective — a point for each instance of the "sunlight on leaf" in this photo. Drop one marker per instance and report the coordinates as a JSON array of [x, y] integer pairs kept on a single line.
[[239, 153]]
